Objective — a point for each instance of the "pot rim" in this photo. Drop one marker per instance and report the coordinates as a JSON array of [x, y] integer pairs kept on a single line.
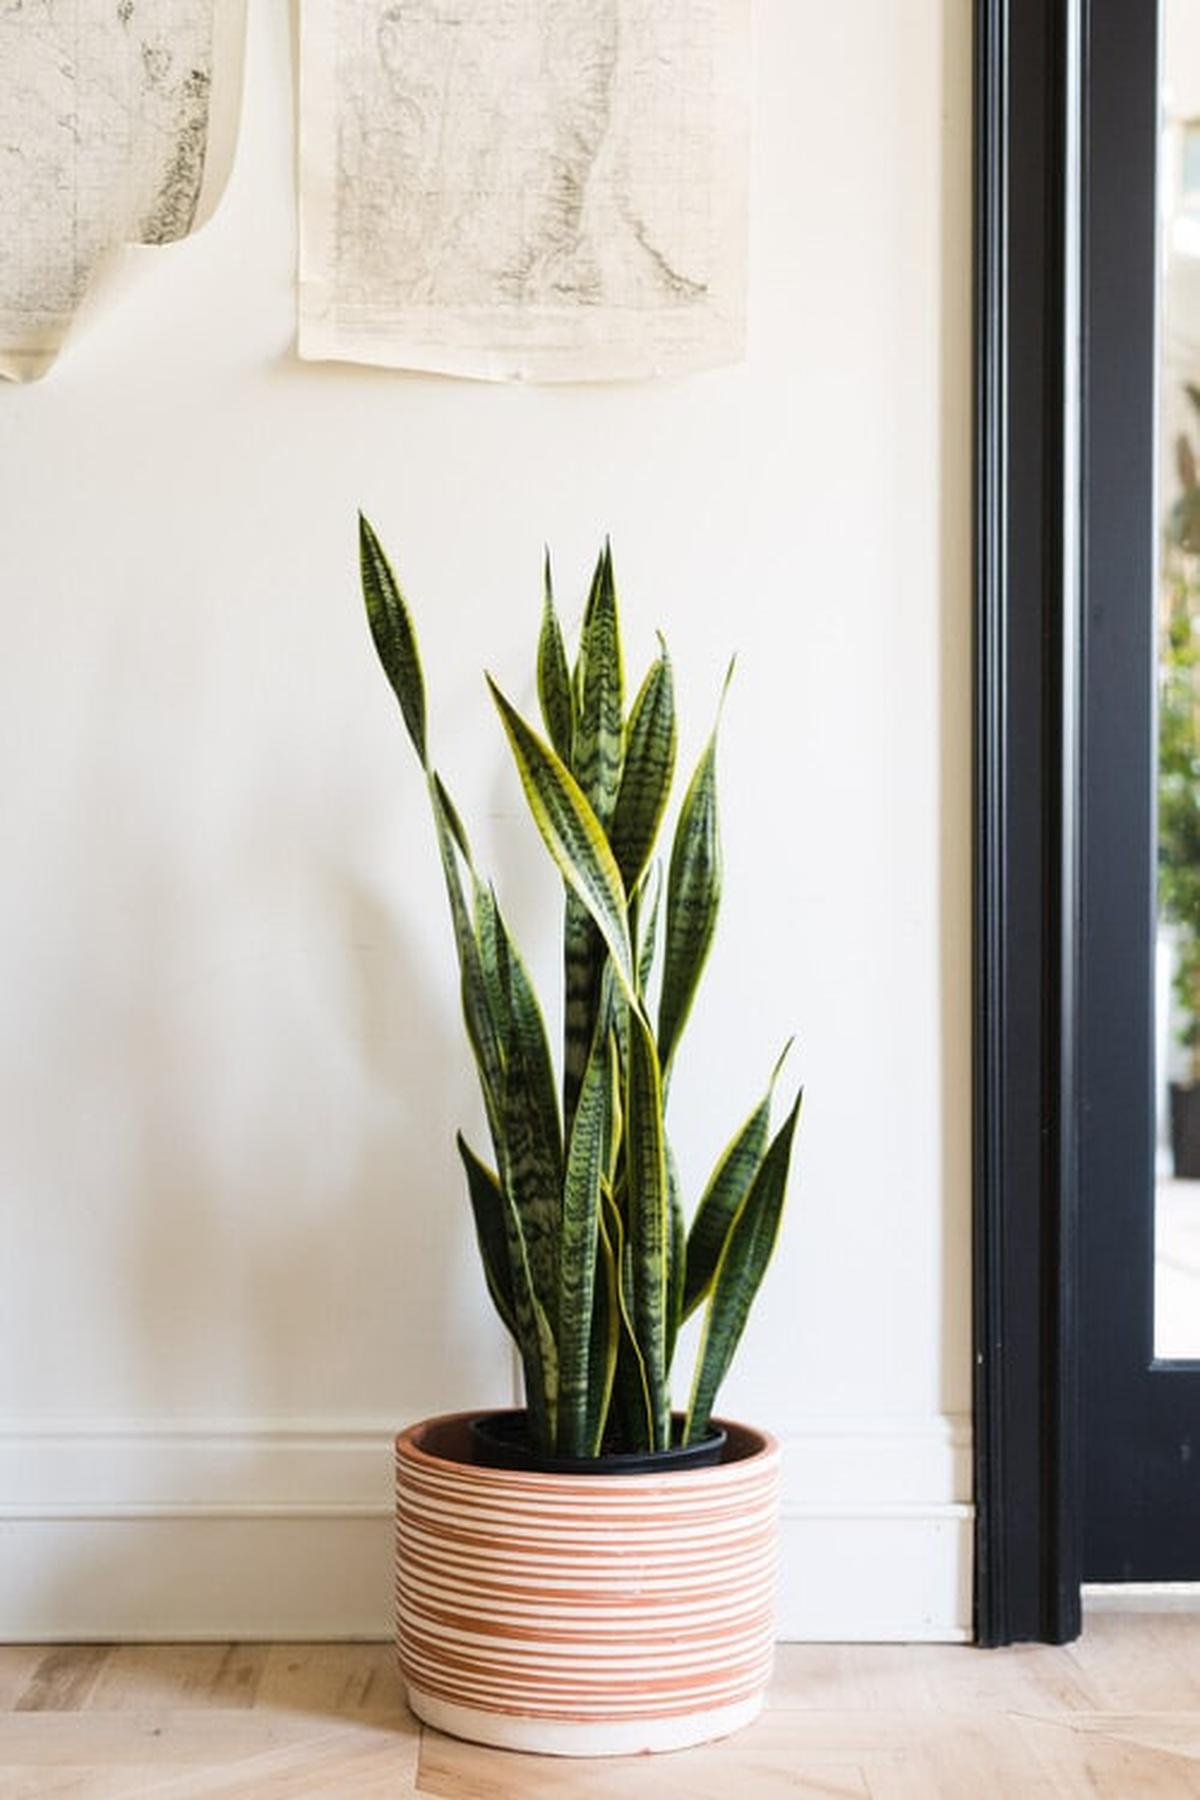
[[763, 1448]]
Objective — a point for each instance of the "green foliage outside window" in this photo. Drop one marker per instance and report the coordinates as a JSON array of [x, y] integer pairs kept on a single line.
[[1179, 738]]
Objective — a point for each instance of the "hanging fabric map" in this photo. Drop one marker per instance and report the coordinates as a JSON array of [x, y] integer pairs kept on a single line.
[[117, 125], [524, 189]]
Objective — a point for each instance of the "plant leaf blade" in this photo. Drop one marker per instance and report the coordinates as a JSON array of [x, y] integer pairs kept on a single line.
[[571, 832], [739, 1274], [693, 900], [578, 1248], [723, 1195], [555, 694], [598, 748], [487, 1208], [648, 1214], [393, 633], [647, 773]]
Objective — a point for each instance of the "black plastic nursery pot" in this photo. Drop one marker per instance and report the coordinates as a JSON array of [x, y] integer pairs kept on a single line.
[[500, 1440]]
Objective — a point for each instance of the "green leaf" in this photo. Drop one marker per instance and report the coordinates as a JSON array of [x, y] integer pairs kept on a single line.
[[599, 740], [722, 1198], [616, 1112], [693, 898], [606, 1334], [532, 1182], [527, 1049], [739, 1272], [476, 1005], [583, 961], [578, 1248], [453, 822], [647, 774], [392, 630], [648, 1211], [535, 1336], [579, 672], [555, 696], [491, 1232], [649, 935], [631, 1387], [492, 957], [571, 832], [676, 1253]]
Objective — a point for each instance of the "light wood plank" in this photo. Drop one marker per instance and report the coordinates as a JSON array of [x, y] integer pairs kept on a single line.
[[195, 1753], [1086, 1758], [333, 1680], [853, 1677], [17, 1664], [352, 1763], [173, 1676], [83, 1740], [1150, 1662], [62, 1678]]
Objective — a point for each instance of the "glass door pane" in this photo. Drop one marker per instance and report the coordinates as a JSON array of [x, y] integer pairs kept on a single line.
[[1177, 997]]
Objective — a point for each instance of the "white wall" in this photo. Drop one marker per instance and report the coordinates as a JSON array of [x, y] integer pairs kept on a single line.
[[237, 1251]]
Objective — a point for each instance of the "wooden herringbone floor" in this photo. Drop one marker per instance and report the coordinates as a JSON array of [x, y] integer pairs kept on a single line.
[[1115, 1715]]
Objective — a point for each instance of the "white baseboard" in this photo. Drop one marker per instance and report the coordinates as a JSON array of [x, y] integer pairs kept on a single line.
[[282, 1529]]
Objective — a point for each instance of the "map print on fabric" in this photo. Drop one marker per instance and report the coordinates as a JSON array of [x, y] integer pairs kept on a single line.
[[106, 137], [524, 189]]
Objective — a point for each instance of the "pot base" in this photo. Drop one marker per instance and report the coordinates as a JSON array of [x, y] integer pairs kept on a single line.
[[582, 1737]]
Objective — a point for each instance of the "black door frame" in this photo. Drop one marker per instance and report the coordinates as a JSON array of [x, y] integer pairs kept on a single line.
[[1066, 143], [1027, 1567]]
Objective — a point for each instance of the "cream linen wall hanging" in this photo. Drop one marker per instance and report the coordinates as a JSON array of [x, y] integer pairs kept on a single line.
[[524, 189]]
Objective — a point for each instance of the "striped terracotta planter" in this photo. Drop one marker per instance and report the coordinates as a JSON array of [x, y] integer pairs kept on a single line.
[[584, 1615]]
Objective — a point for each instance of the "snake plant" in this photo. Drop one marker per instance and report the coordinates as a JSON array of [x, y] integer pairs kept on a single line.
[[580, 1221]]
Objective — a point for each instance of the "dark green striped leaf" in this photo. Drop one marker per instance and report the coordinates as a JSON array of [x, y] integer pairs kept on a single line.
[[555, 695], [477, 1010], [453, 822], [647, 773], [583, 961], [693, 898], [535, 1336], [578, 1247], [648, 1210], [722, 1198], [487, 1207], [649, 933], [392, 630], [532, 1182], [571, 832], [527, 1049], [616, 1113], [739, 1272], [599, 727], [631, 1388], [606, 1331], [578, 674], [676, 1253], [492, 959]]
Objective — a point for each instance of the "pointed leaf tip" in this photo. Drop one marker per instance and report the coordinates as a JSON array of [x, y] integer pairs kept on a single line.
[[393, 633]]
